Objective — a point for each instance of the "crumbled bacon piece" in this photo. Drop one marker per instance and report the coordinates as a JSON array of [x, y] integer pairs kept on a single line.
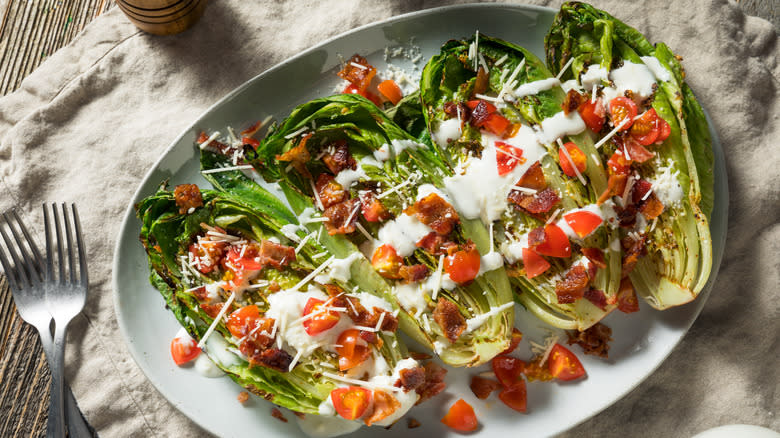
[[594, 340], [340, 158], [536, 237], [449, 319], [212, 310], [481, 82], [329, 191], [633, 250], [273, 358], [540, 202], [369, 337], [276, 413], [639, 190], [298, 156], [616, 184], [435, 212], [412, 378], [626, 216], [384, 405], [597, 297], [187, 196], [533, 178], [435, 244], [361, 316], [573, 285], [223, 148], [276, 255], [596, 256], [413, 423], [201, 294], [482, 388], [252, 346], [373, 210], [419, 356], [452, 109], [652, 207], [480, 113], [434, 382], [413, 273], [572, 101], [359, 76], [636, 151], [242, 397], [342, 217]]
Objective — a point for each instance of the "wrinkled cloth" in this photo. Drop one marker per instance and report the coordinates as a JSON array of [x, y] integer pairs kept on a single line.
[[90, 121]]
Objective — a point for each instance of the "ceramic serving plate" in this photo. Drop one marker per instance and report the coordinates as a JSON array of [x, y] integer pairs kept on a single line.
[[642, 340]]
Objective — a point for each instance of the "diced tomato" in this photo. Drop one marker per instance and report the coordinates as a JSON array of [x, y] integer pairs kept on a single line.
[[391, 91], [461, 417], [636, 151], [596, 256], [482, 388], [621, 108], [507, 369], [352, 349], [252, 130], [463, 266], [247, 319], [646, 128], [353, 89], [583, 222], [618, 164], [534, 263], [626, 297], [577, 158], [515, 396], [556, 243], [372, 209], [507, 157], [497, 124], [207, 254], [351, 402], [593, 114], [472, 104], [321, 321], [250, 141], [184, 350], [663, 130], [387, 262], [563, 364], [249, 261], [514, 340]]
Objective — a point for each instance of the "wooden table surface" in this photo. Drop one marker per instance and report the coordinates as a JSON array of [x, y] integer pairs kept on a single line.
[[30, 31]]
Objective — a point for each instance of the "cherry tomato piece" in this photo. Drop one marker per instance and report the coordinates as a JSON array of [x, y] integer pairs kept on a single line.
[[534, 263], [622, 108], [350, 402], [463, 266], [387, 262], [563, 364], [507, 369], [514, 340], [507, 157], [497, 124], [352, 349], [246, 319], [578, 159], [663, 130], [583, 222], [391, 91], [461, 417], [250, 141], [556, 243], [184, 350], [353, 89], [618, 164], [646, 128], [321, 321], [515, 396], [593, 114]]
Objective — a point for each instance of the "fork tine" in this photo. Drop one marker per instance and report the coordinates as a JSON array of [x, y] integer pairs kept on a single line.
[[49, 253], [80, 244], [28, 264], [9, 274], [69, 237], [31, 242], [60, 255], [20, 272]]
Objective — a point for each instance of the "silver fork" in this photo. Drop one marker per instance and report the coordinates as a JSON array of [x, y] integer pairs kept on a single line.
[[26, 278]]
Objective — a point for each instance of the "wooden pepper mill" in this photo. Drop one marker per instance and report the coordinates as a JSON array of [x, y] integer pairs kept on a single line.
[[162, 17]]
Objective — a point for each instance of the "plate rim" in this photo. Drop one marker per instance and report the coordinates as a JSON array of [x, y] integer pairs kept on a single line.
[[719, 169]]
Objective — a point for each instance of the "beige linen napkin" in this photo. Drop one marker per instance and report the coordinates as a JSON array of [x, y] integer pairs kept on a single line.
[[88, 124]]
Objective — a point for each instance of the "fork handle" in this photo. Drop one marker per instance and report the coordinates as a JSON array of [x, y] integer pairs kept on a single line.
[[56, 424]]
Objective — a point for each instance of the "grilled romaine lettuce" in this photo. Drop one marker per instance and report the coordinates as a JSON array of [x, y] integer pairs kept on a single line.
[[615, 60]]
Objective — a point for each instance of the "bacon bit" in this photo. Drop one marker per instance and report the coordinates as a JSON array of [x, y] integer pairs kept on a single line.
[[616, 185], [594, 340], [435, 212], [338, 215], [626, 297], [536, 237], [596, 256], [298, 157], [360, 77], [243, 397], [636, 151], [596, 297], [384, 405], [274, 287], [573, 101], [435, 244], [633, 250], [273, 358], [340, 159], [212, 310], [200, 294], [329, 191], [626, 216], [639, 190], [419, 356], [223, 148], [276, 255], [412, 378], [412, 423], [482, 388], [254, 345], [540, 202], [482, 82], [451, 109], [411, 274], [276, 413], [533, 178], [481, 112], [361, 316], [652, 207], [373, 210], [573, 285], [449, 319], [434, 382], [369, 337], [300, 415], [187, 196]]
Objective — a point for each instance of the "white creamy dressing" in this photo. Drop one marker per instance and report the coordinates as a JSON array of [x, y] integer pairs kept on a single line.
[[426, 189], [571, 84], [412, 296], [531, 88], [348, 177], [513, 250], [212, 290], [477, 321], [386, 151], [490, 262], [559, 125], [448, 131], [339, 269], [402, 233], [217, 349], [660, 73], [594, 75], [206, 368], [635, 77], [407, 399], [306, 215], [370, 301], [289, 231], [477, 190], [591, 208]]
